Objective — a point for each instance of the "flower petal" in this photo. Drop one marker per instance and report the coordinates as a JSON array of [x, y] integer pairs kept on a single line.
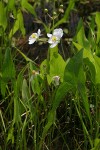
[[54, 44], [39, 32], [33, 36], [31, 41], [49, 35], [58, 32], [50, 41]]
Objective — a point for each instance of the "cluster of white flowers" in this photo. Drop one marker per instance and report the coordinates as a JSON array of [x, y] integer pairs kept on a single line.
[[53, 40]]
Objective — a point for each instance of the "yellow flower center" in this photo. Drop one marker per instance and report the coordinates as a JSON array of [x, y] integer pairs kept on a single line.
[[54, 38], [34, 35]]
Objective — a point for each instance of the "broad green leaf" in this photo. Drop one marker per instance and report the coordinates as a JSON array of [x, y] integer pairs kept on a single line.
[[21, 22], [18, 25], [17, 114], [78, 46], [72, 68], [11, 4], [96, 144], [60, 94], [75, 76], [35, 84], [57, 66], [91, 35], [97, 19], [86, 52], [93, 62], [17, 105], [81, 78], [83, 93], [28, 7], [33, 66], [97, 67], [25, 91], [81, 38], [54, 65], [1, 58], [3, 84], [52, 52], [11, 7], [11, 135], [20, 81], [91, 68], [8, 69], [3, 17]]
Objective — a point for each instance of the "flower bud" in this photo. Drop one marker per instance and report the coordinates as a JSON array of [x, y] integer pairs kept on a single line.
[[56, 80], [61, 6], [54, 13], [46, 10]]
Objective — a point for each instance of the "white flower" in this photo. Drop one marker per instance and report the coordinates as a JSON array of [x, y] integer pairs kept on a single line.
[[56, 80], [34, 37], [54, 38]]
